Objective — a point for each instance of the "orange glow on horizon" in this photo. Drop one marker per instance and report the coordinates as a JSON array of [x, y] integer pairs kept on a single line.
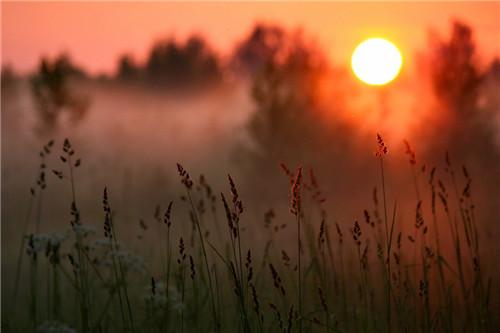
[[94, 34]]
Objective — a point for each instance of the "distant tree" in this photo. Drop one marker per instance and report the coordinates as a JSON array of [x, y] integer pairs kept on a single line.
[[288, 123], [10, 91], [458, 85], [489, 97], [183, 65], [9, 78], [203, 62], [262, 46], [53, 95], [127, 69], [455, 75]]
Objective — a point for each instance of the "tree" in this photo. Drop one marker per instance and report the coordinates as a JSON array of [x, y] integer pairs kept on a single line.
[[458, 84], [288, 124], [455, 75], [182, 65], [489, 97], [53, 95], [127, 69], [261, 47]]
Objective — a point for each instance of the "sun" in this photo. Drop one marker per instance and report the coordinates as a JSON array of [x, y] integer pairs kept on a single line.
[[376, 61]]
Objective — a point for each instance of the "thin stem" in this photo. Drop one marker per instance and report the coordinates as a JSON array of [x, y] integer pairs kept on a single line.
[[299, 271], [200, 234], [388, 247], [21, 252]]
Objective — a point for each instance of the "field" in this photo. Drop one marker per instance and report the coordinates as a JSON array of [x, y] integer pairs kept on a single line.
[[195, 266], [250, 167]]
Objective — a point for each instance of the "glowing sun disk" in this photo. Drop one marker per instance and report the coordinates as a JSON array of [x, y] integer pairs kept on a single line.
[[376, 61]]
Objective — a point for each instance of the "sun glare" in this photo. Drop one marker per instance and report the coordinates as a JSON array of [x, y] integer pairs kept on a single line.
[[376, 61]]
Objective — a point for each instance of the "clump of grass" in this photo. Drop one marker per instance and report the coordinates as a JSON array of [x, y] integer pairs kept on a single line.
[[188, 184], [36, 191], [395, 275]]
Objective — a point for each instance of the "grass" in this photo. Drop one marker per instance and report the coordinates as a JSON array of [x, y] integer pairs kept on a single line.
[[387, 279]]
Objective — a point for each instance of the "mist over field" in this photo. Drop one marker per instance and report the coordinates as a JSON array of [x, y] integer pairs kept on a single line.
[[132, 134], [275, 104]]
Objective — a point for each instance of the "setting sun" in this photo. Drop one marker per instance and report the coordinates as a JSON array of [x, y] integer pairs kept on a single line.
[[376, 61]]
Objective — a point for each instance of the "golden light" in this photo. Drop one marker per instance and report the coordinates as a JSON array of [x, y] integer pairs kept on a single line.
[[376, 61]]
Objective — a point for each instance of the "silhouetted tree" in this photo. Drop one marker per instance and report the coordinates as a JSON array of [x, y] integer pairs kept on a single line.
[[262, 46], [458, 84], [455, 74], [127, 69], [289, 123], [489, 95], [53, 95], [9, 79], [190, 64]]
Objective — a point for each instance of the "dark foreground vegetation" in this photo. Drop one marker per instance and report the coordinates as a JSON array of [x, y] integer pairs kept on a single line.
[[195, 268]]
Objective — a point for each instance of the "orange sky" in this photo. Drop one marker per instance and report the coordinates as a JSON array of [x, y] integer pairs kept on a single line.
[[95, 33]]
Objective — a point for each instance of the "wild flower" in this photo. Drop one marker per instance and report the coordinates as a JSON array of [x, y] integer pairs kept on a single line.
[[256, 303], [103, 243], [419, 219], [53, 326], [277, 280], [84, 230], [381, 147], [167, 218], [356, 233], [229, 217], [295, 195], [177, 306], [368, 219], [127, 260], [40, 242], [192, 268], [322, 235], [185, 178], [410, 152], [156, 294]]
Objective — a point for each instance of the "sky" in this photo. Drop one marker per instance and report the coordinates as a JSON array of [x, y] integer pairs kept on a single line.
[[94, 34]]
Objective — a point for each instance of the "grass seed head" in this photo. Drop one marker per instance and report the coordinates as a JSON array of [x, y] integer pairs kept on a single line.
[[295, 205], [381, 147]]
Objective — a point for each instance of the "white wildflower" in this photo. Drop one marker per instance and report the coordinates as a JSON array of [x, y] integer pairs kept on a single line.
[[102, 242], [83, 230], [128, 261], [159, 299], [52, 326], [39, 242]]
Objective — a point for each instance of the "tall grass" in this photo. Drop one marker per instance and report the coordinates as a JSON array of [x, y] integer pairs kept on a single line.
[[388, 278]]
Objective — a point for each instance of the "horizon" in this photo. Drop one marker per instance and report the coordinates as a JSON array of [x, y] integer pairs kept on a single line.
[[33, 30]]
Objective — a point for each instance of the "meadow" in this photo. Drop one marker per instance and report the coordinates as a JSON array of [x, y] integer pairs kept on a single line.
[[266, 189], [196, 265]]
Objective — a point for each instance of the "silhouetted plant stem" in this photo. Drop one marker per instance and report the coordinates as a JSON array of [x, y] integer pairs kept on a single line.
[[34, 292], [40, 185], [84, 306], [205, 257], [20, 256], [299, 272], [388, 261]]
